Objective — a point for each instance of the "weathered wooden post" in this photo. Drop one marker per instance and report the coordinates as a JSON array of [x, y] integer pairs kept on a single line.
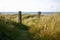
[[20, 17], [38, 18], [39, 14]]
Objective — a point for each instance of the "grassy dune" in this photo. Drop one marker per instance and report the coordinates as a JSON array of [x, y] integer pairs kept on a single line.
[[47, 27]]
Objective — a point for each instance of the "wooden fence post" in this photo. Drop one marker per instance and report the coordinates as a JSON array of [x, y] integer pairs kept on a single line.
[[39, 14], [20, 17], [38, 19]]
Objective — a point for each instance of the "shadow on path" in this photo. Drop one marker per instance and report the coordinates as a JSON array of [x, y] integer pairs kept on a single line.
[[14, 31], [24, 32]]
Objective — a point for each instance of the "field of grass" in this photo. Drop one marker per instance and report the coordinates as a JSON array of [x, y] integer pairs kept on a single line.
[[47, 27]]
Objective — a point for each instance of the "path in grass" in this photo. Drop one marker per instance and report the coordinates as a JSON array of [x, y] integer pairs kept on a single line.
[[24, 35]]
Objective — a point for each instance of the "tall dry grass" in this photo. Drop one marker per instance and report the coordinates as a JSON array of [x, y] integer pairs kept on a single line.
[[47, 28]]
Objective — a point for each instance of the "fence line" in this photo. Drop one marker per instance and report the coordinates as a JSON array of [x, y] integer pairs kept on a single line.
[[20, 16]]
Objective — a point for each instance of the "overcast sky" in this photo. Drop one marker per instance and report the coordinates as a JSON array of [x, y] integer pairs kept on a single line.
[[30, 5]]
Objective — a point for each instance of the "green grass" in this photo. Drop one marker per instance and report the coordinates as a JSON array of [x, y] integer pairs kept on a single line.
[[11, 30], [32, 28]]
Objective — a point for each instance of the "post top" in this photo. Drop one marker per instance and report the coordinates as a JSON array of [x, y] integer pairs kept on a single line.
[[39, 12], [19, 11]]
